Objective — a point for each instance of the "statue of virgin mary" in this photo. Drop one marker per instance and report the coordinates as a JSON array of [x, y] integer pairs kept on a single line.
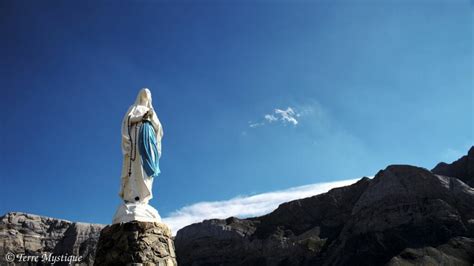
[[141, 148]]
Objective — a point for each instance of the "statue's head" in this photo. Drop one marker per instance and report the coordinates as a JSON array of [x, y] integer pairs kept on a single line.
[[144, 98]]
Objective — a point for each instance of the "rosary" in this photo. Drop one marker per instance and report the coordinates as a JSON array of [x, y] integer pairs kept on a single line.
[[133, 151]]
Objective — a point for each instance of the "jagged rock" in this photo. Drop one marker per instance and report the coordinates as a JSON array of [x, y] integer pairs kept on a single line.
[[22, 233], [404, 206], [290, 235], [458, 251], [462, 169], [136, 242], [372, 222]]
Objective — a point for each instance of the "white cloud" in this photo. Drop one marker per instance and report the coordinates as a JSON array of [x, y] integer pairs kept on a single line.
[[287, 116], [246, 206], [252, 125], [270, 118]]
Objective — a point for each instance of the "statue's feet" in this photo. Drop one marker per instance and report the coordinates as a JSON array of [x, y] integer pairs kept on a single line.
[[136, 211]]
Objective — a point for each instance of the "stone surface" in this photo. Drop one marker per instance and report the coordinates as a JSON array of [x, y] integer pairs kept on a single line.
[[458, 251], [403, 207], [462, 169], [136, 242], [29, 234], [403, 210]]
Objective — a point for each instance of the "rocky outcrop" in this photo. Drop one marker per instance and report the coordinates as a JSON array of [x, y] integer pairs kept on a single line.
[[136, 242], [289, 235], [458, 251], [404, 215], [29, 234], [33, 235], [403, 207], [462, 169]]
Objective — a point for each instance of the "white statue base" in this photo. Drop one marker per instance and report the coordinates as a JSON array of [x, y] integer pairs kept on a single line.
[[137, 211]]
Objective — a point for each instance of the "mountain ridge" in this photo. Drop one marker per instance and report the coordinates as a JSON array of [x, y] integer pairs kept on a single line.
[[405, 215], [463, 168], [30, 234]]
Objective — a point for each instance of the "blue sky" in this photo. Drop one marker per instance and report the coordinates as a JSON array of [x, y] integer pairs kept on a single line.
[[369, 84]]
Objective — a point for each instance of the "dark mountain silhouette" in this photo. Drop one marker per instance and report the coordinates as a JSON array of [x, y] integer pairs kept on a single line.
[[405, 215]]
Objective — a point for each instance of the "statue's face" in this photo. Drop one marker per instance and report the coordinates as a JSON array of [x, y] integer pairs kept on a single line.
[[143, 98]]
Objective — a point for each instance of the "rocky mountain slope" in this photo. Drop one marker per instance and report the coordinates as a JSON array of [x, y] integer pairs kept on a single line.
[[29, 234], [405, 215]]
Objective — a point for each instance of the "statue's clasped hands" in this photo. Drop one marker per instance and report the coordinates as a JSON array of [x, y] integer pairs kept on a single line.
[[148, 114]]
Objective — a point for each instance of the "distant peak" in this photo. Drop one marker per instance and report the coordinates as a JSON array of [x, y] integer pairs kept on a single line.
[[463, 168]]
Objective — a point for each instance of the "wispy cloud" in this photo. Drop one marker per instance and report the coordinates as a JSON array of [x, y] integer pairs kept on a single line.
[[451, 154], [270, 118], [246, 206], [252, 125], [284, 116]]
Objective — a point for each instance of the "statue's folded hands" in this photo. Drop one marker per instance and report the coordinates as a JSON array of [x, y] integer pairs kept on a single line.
[[138, 114]]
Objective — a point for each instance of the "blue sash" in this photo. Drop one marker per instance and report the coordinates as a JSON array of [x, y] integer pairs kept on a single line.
[[147, 148]]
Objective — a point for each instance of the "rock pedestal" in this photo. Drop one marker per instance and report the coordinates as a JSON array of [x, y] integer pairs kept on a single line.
[[136, 243]]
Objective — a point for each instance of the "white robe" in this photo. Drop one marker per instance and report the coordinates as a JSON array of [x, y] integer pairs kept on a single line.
[[138, 186]]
